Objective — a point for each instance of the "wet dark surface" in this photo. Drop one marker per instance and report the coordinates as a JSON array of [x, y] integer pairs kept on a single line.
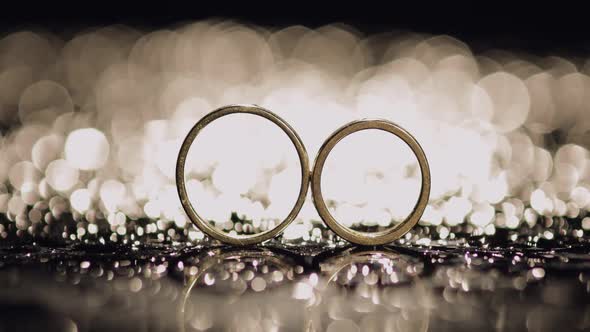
[[464, 285]]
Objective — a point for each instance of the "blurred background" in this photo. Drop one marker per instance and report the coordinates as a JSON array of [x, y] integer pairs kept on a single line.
[[95, 101]]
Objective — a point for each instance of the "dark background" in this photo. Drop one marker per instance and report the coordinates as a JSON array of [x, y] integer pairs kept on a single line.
[[543, 28]]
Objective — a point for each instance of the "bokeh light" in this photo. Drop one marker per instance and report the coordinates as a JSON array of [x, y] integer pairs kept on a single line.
[[94, 122]]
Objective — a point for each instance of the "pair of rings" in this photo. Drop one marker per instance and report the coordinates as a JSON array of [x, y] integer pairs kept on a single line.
[[314, 176]]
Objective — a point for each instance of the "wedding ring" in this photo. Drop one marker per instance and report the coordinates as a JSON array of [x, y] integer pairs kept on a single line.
[[203, 224], [370, 238]]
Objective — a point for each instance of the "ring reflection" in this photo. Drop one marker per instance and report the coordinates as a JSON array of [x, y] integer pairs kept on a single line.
[[239, 290], [369, 290]]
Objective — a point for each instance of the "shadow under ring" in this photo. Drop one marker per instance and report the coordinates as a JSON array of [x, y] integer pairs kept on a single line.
[[203, 224], [370, 238]]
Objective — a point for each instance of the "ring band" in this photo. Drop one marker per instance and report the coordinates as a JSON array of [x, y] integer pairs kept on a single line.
[[370, 238], [203, 224]]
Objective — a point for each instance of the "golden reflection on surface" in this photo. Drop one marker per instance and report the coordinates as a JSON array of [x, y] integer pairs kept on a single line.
[[238, 289], [355, 290], [361, 290]]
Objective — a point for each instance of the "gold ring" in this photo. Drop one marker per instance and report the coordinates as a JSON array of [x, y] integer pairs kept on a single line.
[[203, 224], [370, 238]]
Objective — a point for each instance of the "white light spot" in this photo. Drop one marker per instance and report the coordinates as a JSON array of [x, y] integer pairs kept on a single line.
[[135, 285], [92, 229], [87, 149], [112, 193], [80, 200], [23, 172], [61, 176], [258, 284], [302, 291], [538, 272], [46, 149], [16, 205], [510, 98]]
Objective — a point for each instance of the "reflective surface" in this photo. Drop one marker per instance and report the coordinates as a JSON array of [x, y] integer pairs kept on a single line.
[[156, 287]]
